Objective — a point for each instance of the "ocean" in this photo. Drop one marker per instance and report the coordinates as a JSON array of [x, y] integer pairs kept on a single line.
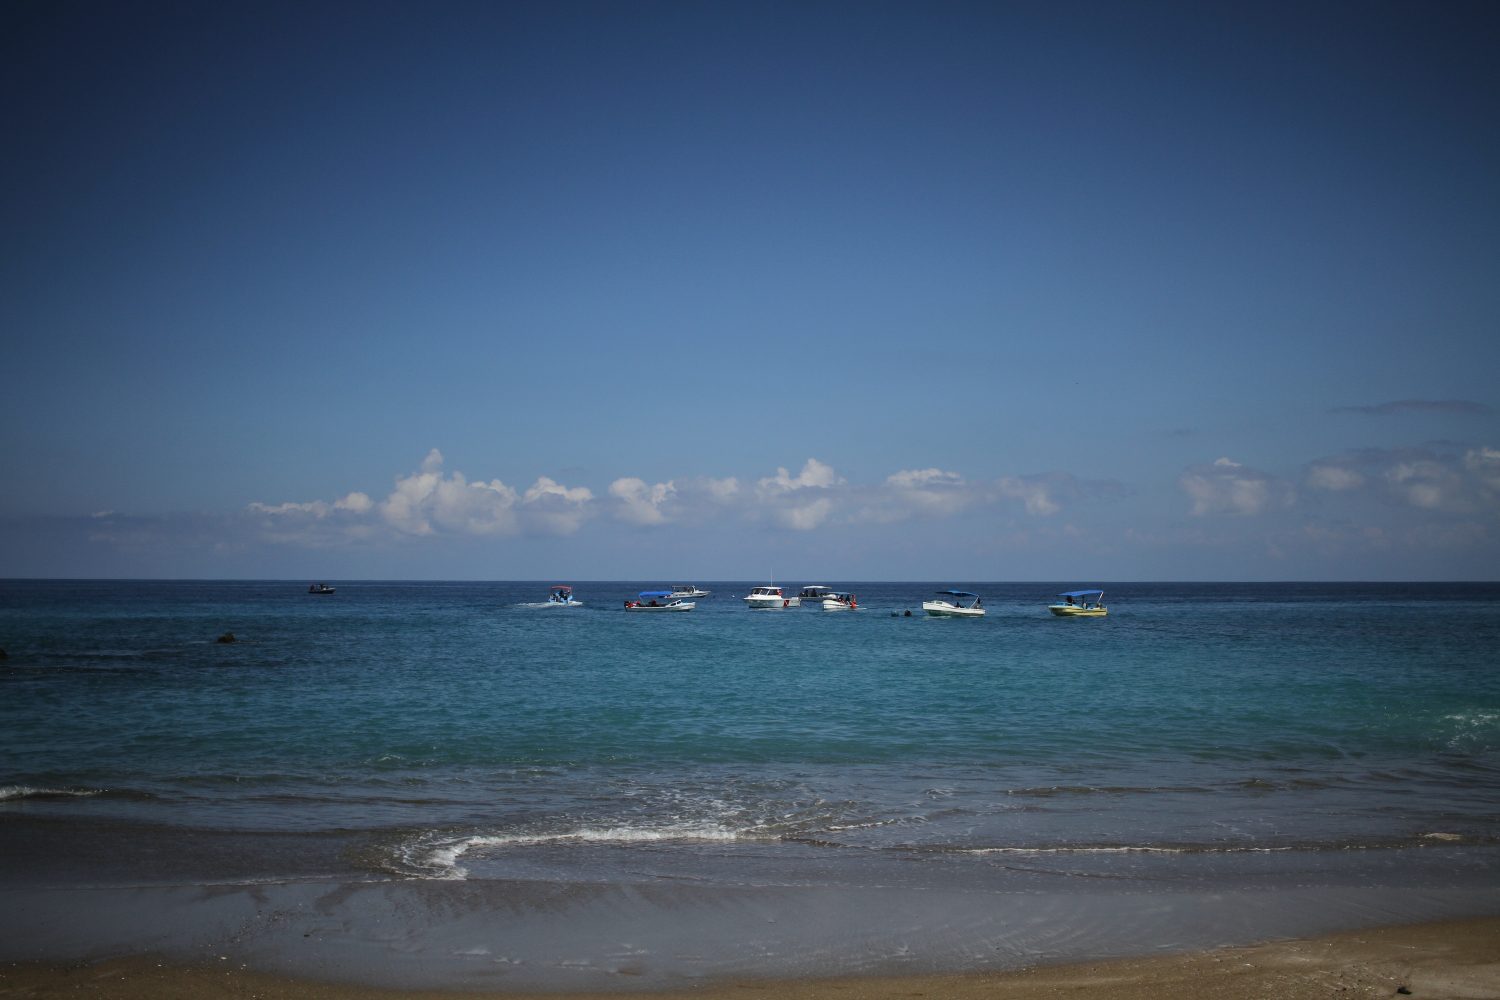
[[581, 797]]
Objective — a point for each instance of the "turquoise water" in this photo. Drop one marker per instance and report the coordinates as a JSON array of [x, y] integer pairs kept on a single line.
[[450, 731]]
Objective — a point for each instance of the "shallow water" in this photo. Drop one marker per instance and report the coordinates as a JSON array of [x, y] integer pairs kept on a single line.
[[1194, 718], [1202, 737]]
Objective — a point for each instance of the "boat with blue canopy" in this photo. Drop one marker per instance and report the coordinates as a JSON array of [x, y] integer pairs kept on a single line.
[[954, 604], [1080, 604], [658, 600]]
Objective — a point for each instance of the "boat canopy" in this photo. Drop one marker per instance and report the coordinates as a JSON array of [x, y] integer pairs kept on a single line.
[[958, 593], [1082, 593], [648, 594], [568, 590]]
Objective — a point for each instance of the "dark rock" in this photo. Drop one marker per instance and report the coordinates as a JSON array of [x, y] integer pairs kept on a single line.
[[226, 637]]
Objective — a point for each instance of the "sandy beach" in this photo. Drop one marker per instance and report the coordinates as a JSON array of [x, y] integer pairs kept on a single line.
[[1450, 960]]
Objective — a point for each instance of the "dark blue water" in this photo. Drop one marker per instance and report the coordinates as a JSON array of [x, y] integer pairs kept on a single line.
[[448, 730]]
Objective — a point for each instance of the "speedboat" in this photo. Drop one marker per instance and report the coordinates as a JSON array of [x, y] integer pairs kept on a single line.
[[954, 604], [770, 598], [1080, 604], [562, 597], [840, 601], [684, 591], [814, 594], [319, 588], [658, 600]]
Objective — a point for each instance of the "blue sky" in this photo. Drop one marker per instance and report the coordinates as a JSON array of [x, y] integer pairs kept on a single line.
[[1075, 291]]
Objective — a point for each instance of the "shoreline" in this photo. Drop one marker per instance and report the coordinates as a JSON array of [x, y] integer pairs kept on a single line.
[[416, 938], [1443, 960]]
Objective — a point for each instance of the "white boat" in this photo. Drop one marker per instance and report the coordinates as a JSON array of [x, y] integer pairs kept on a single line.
[[562, 597], [1080, 604], [658, 600], [769, 599], [814, 593], [954, 604], [686, 591], [840, 602]]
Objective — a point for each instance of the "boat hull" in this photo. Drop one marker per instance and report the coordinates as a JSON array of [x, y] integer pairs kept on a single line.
[[942, 609], [674, 606], [831, 605], [1070, 611], [772, 603]]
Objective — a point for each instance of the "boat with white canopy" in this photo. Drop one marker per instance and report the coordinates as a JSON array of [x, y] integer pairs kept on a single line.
[[770, 598], [954, 604]]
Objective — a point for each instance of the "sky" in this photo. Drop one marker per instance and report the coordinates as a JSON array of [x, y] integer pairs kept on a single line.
[[665, 291]]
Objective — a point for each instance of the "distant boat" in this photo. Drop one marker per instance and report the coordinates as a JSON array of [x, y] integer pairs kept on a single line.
[[658, 600], [319, 588], [954, 604], [686, 591], [770, 599], [814, 593], [562, 597], [1080, 604], [840, 601]]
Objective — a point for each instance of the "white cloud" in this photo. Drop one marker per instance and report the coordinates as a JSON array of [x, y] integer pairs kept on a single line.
[[806, 517], [428, 502], [721, 490], [1483, 464], [918, 493], [1334, 478], [1034, 493], [555, 508], [915, 479], [640, 503], [1227, 487], [1437, 479], [784, 497], [433, 501], [814, 475], [358, 503]]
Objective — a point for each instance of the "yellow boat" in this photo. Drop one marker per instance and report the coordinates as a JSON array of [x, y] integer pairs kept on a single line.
[[1080, 604]]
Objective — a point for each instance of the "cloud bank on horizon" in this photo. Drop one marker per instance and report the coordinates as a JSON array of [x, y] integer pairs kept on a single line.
[[1397, 503], [430, 502]]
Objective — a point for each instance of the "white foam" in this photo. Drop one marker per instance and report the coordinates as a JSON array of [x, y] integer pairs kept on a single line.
[[1121, 849], [443, 860], [9, 792]]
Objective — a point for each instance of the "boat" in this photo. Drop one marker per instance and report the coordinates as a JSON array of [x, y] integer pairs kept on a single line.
[[658, 600], [814, 593], [686, 591], [562, 597], [840, 601], [770, 598], [1080, 604], [954, 604], [319, 588]]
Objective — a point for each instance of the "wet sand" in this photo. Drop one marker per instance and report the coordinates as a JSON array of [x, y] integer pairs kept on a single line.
[[1449, 960]]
